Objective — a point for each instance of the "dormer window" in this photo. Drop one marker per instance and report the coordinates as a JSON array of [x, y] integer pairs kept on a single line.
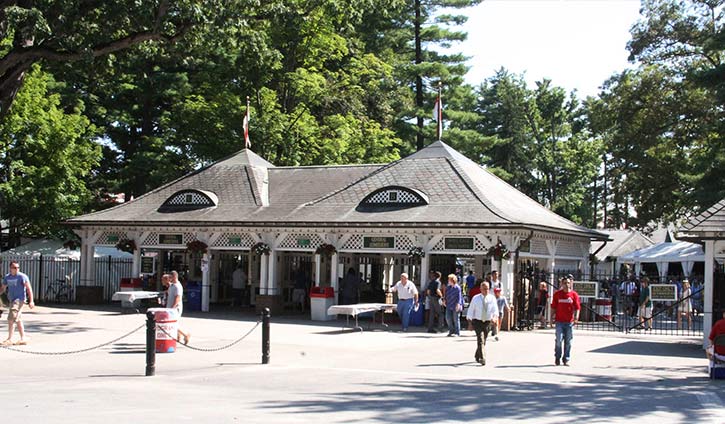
[[392, 197], [187, 200]]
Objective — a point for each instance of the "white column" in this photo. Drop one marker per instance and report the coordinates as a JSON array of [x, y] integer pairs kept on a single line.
[[709, 285], [205, 292], [263, 272], [333, 273], [90, 276], [506, 275], [318, 268], [424, 267], [136, 268], [272, 273]]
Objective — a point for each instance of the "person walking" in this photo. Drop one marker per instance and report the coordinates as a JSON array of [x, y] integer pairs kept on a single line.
[[454, 306], [645, 305], [19, 290], [174, 300], [482, 315], [407, 299], [566, 307], [434, 294], [503, 305], [685, 305], [542, 303]]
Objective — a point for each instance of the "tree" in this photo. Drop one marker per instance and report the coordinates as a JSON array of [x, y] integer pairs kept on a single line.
[[69, 31], [46, 155]]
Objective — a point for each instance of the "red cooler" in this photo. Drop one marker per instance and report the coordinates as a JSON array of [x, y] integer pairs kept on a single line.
[[166, 327]]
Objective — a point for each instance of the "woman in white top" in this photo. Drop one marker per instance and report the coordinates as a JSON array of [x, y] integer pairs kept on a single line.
[[685, 305]]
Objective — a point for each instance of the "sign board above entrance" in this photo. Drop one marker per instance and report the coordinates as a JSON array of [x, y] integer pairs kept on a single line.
[[170, 238], [147, 265], [459, 243], [379, 242]]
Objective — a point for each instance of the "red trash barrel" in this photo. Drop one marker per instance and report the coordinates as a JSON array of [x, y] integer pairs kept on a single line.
[[166, 327], [604, 309]]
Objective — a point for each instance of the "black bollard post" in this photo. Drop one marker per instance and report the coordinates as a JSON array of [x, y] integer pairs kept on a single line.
[[265, 335], [150, 344]]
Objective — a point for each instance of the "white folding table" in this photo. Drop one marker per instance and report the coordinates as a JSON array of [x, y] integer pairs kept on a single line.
[[361, 308]]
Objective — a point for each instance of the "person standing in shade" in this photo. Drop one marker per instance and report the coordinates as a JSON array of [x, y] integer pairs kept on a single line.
[[542, 302], [19, 290], [565, 306], [503, 305], [470, 282], [685, 305], [454, 306], [239, 283], [434, 294], [407, 299], [299, 293], [645, 305], [350, 287], [482, 314], [174, 300]]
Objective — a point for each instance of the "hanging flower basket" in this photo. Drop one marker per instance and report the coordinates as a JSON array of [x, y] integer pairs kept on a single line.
[[499, 251], [326, 250], [126, 245], [196, 246], [261, 249], [416, 252]]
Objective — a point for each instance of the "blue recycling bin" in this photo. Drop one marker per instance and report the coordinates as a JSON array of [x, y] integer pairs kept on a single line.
[[417, 317], [193, 296]]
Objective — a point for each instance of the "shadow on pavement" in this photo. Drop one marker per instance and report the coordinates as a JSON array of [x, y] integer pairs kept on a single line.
[[653, 348]]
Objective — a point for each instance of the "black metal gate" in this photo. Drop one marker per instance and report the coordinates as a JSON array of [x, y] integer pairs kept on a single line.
[[615, 307]]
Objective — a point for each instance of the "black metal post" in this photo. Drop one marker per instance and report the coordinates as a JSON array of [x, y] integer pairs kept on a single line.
[[265, 335], [150, 344]]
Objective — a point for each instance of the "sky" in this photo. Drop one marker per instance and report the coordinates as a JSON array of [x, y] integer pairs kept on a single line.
[[578, 44]]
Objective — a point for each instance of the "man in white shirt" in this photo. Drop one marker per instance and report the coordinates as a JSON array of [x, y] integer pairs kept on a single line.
[[483, 315], [239, 282], [407, 299]]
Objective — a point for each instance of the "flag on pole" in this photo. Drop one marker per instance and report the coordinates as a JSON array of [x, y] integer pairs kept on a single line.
[[245, 125], [438, 114]]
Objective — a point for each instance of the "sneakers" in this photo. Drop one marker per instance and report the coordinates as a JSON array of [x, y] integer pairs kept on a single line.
[[566, 363], [557, 361]]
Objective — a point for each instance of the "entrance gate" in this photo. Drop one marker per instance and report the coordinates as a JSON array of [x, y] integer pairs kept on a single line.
[[616, 307]]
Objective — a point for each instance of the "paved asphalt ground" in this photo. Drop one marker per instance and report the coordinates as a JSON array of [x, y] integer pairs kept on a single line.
[[322, 373]]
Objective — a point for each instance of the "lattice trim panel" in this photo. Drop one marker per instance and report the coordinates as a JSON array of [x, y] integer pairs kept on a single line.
[[480, 244], [110, 238], [244, 241], [355, 242], [292, 241], [404, 243]]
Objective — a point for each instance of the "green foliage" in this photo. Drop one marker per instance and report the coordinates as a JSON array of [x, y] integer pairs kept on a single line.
[[47, 153]]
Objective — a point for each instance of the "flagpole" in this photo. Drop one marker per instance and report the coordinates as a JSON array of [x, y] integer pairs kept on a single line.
[[439, 104], [245, 125]]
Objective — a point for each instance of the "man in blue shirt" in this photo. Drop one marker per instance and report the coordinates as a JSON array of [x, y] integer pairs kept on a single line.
[[19, 290]]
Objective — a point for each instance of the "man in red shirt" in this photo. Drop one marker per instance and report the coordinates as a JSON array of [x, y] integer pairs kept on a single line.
[[565, 306], [717, 330]]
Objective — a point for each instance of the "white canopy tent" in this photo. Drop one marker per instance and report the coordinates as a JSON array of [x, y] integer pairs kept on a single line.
[[663, 253], [54, 248]]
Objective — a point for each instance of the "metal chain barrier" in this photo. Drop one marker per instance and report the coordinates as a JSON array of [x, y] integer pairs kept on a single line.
[[14, 349], [215, 349]]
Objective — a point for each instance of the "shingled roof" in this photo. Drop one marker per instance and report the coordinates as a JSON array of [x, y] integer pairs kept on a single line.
[[710, 221], [458, 192]]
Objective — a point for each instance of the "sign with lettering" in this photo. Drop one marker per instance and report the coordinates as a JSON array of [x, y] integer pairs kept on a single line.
[[660, 292], [525, 246], [586, 289], [113, 238], [379, 242], [459, 243], [170, 238], [235, 240], [303, 242], [147, 264]]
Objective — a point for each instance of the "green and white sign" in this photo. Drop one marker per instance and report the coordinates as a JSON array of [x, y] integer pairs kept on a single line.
[[303, 242], [663, 292], [459, 243], [170, 239], [113, 238], [379, 242]]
